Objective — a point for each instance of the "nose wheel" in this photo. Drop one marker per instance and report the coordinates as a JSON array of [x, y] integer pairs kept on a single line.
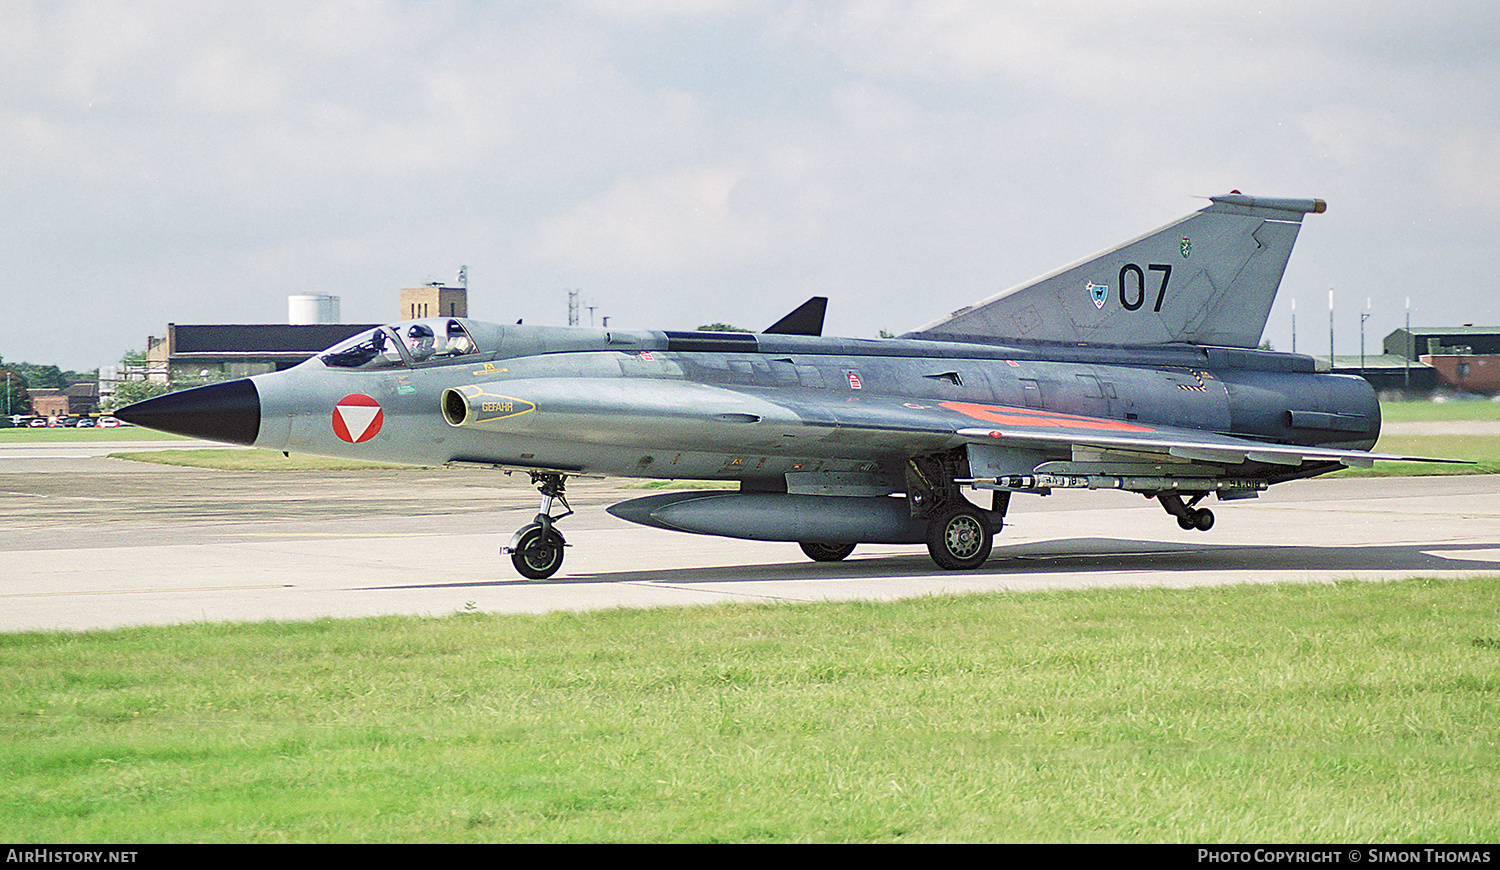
[[536, 549], [538, 552]]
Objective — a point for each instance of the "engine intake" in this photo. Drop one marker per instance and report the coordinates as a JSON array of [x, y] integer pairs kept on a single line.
[[455, 407]]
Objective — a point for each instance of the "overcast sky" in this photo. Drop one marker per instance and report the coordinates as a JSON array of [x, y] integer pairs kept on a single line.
[[689, 161]]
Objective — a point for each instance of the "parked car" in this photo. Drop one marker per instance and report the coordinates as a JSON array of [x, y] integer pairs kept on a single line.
[[38, 423], [85, 423], [108, 423]]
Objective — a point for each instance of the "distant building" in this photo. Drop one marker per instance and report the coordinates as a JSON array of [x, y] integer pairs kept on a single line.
[[434, 300], [1464, 358], [76, 399], [196, 353], [1389, 373], [1470, 373], [48, 403], [190, 352], [211, 352], [1444, 340]]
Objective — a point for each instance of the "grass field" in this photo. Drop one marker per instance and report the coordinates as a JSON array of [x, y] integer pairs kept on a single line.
[[1342, 713], [1483, 451], [1412, 412], [123, 433]]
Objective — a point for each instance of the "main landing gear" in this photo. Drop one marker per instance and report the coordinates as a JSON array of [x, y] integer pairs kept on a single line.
[[1188, 516], [959, 538], [959, 535], [536, 549]]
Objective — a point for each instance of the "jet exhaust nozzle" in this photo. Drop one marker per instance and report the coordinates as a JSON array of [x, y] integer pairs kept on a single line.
[[228, 412]]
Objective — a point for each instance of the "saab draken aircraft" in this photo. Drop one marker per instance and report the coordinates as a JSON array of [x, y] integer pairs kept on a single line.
[[1135, 369]]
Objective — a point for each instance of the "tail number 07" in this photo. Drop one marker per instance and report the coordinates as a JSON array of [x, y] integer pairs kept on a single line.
[[1133, 285]]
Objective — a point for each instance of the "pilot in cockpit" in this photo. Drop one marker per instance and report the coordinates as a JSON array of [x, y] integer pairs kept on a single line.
[[420, 341], [459, 342]]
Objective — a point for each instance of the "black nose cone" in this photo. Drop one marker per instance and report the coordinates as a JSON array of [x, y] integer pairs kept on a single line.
[[219, 412]]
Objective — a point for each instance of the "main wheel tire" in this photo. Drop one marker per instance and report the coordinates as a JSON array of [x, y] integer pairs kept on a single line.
[[538, 556], [1203, 520], [959, 538], [819, 552]]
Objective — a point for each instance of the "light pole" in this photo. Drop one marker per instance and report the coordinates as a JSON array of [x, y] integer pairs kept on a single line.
[[1362, 318], [1411, 348], [1330, 329]]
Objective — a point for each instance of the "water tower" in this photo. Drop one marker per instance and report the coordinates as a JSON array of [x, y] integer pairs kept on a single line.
[[312, 308]]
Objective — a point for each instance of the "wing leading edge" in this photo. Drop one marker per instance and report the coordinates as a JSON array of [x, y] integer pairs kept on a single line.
[[1048, 431], [1190, 445]]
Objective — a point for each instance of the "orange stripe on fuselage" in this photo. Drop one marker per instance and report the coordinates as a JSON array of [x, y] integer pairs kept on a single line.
[[1031, 417]]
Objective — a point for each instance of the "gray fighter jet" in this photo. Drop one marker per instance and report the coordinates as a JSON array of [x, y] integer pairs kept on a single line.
[[1135, 369]]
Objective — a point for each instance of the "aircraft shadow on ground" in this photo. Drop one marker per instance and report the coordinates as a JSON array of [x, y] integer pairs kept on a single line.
[[1068, 556]]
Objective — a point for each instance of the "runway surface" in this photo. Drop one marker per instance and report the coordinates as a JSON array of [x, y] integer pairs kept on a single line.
[[92, 542]]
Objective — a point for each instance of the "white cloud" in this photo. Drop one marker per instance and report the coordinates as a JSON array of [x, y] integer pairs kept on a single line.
[[1466, 172], [691, 219]]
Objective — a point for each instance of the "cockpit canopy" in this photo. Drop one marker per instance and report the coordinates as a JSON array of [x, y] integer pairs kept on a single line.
[[403, 344]]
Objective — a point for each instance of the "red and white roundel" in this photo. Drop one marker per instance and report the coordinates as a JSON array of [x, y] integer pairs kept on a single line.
[[357, 418]]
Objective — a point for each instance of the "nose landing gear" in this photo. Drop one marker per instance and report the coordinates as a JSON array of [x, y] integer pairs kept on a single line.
[[536, 549]]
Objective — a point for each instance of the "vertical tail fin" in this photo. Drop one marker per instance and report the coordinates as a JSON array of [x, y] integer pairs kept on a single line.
[[1209, 278]]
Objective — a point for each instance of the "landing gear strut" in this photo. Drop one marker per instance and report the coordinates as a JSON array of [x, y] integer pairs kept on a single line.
[[536, 549], [959, 535], [1188, 516]]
